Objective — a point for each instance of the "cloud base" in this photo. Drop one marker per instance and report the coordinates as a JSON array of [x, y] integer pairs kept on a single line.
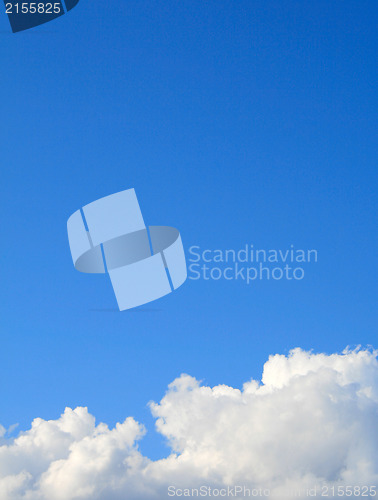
[[308, 426]]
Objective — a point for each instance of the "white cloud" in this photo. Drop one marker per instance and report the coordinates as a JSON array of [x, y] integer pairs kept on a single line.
[[311, 422]]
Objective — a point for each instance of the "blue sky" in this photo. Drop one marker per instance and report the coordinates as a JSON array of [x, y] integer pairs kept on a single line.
[[236, 122]]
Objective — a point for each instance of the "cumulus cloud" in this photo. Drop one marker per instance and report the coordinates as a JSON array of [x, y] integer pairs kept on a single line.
[[310, 422]]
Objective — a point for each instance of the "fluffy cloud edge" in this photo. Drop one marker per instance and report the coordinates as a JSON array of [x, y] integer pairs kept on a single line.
[[310, 423]]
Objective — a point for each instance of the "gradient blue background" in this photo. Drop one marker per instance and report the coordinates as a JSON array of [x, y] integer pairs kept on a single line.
[[235, 121]]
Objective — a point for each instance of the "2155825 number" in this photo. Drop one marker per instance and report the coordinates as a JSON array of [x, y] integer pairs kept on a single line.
[[33, 8]]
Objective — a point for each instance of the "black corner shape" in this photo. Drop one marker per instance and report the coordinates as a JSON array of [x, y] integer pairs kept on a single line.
[[70, 4], [25, 15]]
